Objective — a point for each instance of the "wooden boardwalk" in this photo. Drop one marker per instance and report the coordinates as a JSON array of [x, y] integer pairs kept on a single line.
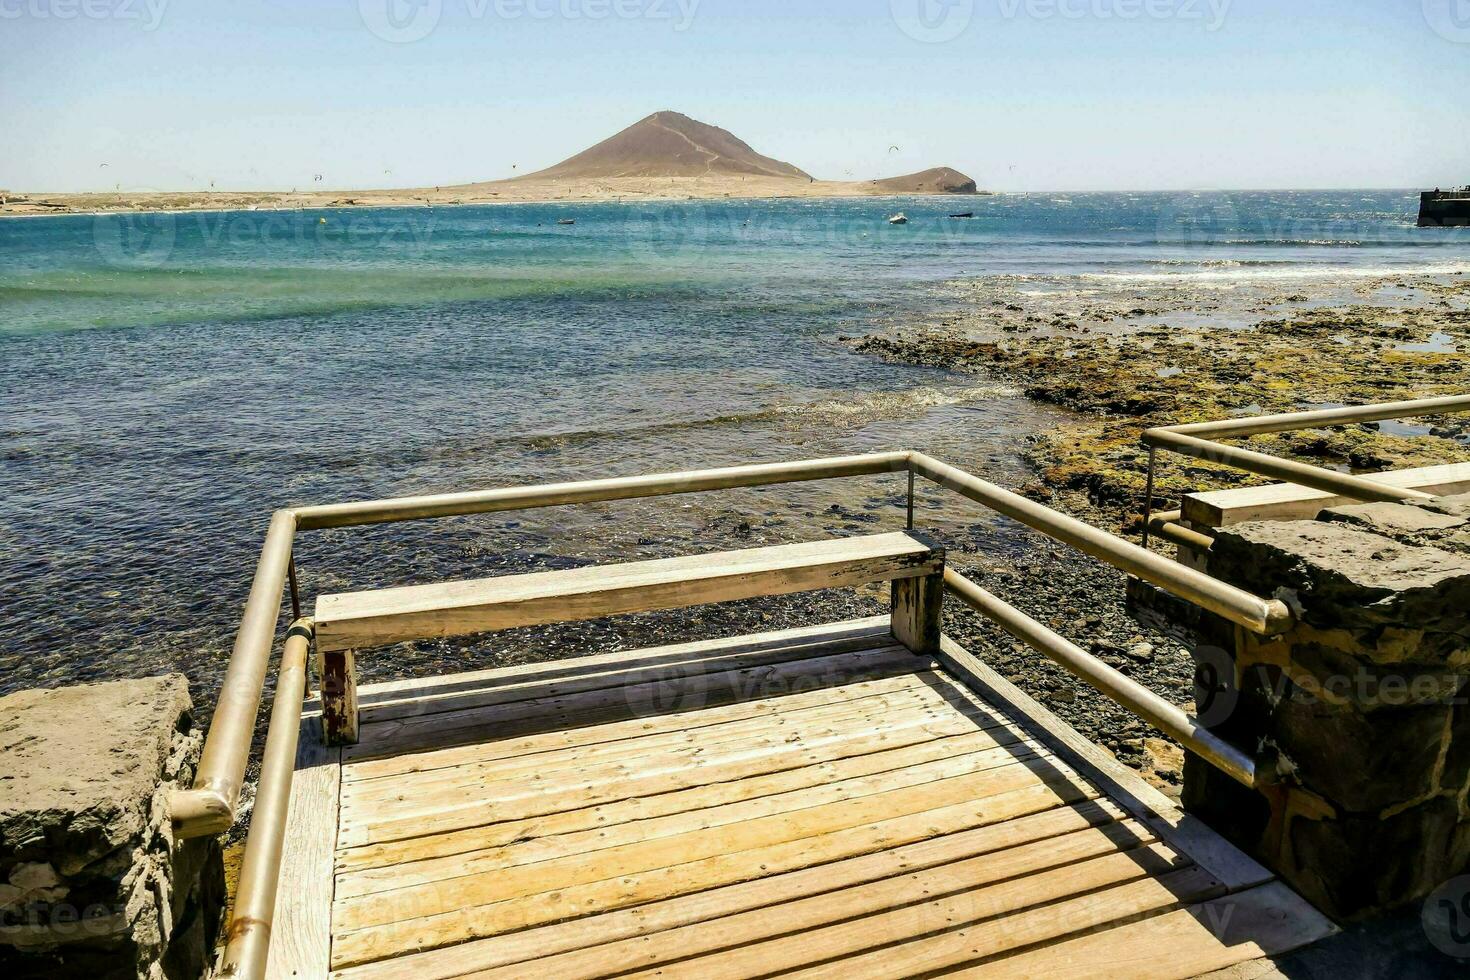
[[818, 803]]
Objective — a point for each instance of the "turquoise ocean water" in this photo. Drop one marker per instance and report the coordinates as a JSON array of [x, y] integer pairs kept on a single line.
[[171, 379]]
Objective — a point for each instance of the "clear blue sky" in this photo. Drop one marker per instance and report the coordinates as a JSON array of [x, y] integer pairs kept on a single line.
[[1031, 94]]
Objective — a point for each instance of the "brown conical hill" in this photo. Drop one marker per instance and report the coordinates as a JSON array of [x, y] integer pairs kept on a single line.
[[669, 144], [939, 180]]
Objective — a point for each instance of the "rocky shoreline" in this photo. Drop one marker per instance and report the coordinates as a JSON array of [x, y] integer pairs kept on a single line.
[[1123, 366], [1127, 369]]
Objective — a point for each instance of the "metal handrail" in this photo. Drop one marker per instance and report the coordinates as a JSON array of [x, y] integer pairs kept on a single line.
[[1166, 525], [1167, 718], [1288, 470], [247, 942], [597, 491], [1198, 440], [209, 806], [1266, 616]]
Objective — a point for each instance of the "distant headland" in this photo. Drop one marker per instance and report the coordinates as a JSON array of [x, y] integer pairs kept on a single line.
[[665, 156]]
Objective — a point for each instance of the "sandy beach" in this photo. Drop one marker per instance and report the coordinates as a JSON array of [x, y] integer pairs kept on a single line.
[[711, 187]]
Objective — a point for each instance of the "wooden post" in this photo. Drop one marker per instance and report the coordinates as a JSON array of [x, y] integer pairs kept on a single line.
[[338, 671], [917, 604]]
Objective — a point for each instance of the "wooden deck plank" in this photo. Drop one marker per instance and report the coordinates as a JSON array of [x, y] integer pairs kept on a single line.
[[465, 923], [1269, 920], [524, 800], [301, 930], [1065, 834], [419, 901], [620, 703], [525, 794], [378, 819], [722, 814], [443, 609], [821, 640], [822, 739], [916, 930], [689, 722], [856, 717], [795, 934], [645, 808], [995, 928], [920, 690]]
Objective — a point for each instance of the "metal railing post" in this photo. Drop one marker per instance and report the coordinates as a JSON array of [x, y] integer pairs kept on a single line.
[[295, 588], [247, 939], [910, 523], [1148, 496]]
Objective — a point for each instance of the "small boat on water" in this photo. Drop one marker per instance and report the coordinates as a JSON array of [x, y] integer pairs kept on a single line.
[[964, 214], [899, 219], [566, 221]]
